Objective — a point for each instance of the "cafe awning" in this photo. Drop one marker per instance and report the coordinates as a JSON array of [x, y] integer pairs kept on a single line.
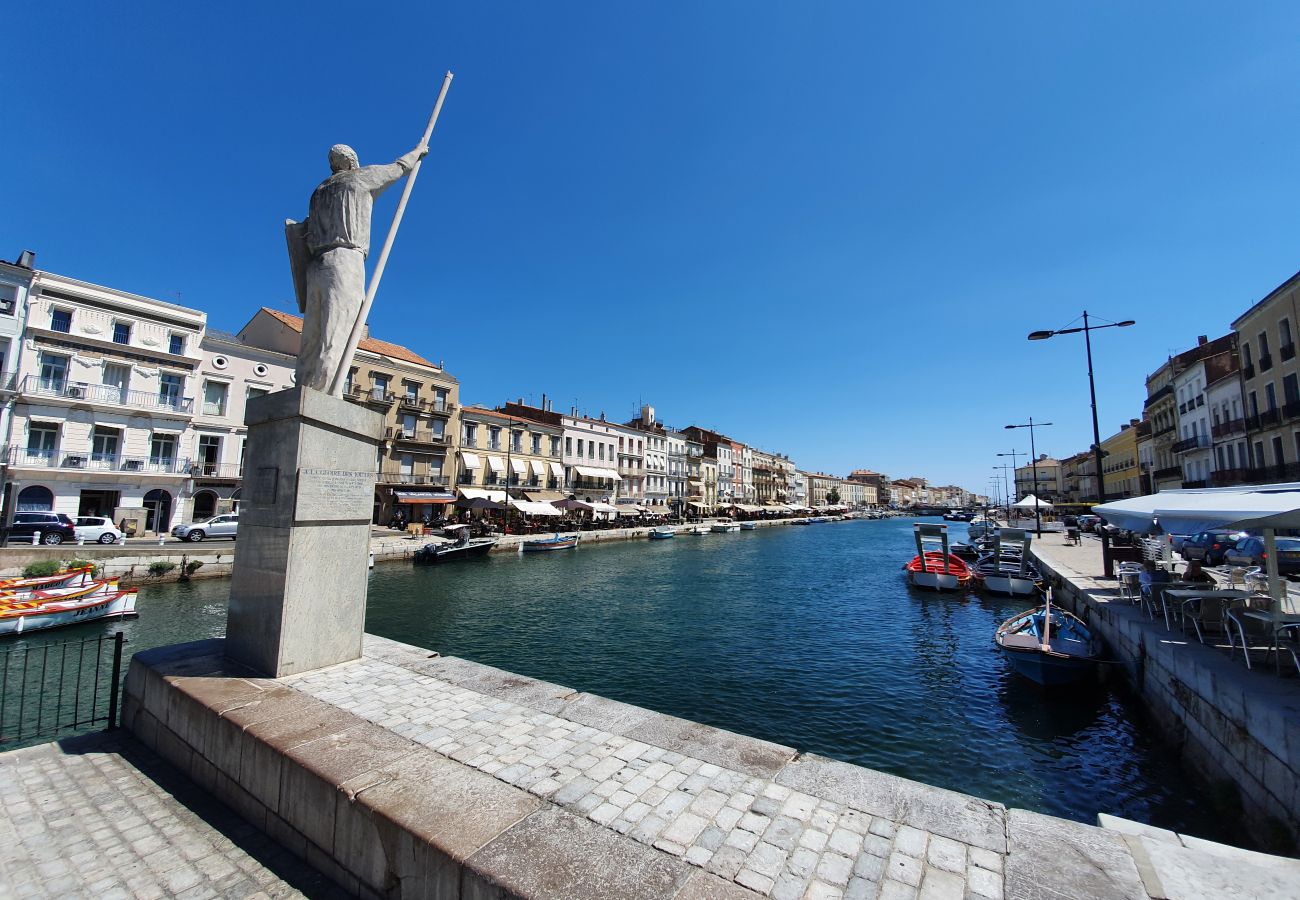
[[417, 498], [594, 472], [469, 459], [545, 496], [557, 470], [629, 510], [468, 493], [571, 504], [531, 508], [519, 466], [698, 505], [497, 464], [1193, 511], [604, 508], [539, 467]]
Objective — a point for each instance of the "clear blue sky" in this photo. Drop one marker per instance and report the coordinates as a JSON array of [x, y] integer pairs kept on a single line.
[[823, 228]]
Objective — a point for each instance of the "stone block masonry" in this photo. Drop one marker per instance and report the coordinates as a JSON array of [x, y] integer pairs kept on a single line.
[[1231, 725], [407, 774]]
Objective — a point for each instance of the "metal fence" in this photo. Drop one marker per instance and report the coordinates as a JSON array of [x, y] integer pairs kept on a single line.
[[55, 688]]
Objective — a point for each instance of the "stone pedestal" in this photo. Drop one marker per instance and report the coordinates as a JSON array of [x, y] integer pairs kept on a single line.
[[298, 594]]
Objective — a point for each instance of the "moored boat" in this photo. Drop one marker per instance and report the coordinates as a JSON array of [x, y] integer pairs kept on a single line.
[[1049, 645], [461, 546], [36, 615], [937, 570], [723, 526], [559, 542], [1008, 570], [748, 526], [662, 533], [25, 599], [78, 577], [698, 529]]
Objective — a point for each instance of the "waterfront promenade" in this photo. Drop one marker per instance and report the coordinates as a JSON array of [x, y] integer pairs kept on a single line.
[[1232, 725]]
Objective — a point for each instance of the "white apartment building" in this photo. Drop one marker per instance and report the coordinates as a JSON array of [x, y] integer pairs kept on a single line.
[[726, 475], [1227, 427], [798, 488], [105, 394], [591, 458], [15, 281], [675, 454], [1193, 449], [231, 373], [631, 466], [747, 492]]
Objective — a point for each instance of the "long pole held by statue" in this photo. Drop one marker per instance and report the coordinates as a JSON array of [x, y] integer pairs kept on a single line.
[[359, 327]]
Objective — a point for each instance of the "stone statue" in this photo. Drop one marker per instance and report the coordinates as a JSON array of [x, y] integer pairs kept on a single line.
[[327, 253]]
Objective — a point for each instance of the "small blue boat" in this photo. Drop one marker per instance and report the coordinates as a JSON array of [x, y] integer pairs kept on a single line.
[[1049, 646], [662, 533], [748, 526], [559, 542]]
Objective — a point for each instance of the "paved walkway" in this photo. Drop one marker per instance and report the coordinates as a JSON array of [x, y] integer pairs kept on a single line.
[[102, 817], [777, 840]]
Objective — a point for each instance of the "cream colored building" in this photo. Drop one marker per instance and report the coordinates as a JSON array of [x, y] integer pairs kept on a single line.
[[417, 398], [1046, 472], [1122, 477], [1270, 383], [500, 454]]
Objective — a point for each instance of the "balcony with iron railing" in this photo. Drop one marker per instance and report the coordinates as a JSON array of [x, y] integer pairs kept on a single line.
[[21, 457], [417, 436], [217, 471], [105, 395], [1269, 418], [1248, 372], [1287, 351], [425, 404], [1232, 426], [469, 443], [1158, 395], [1168, 472], [1195, 442], [411, 478], [374, 395], [1265, 362]]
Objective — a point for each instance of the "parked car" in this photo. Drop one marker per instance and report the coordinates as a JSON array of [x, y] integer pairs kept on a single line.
[[218, 526], [1211, 546], [1250, 552], [55, 528], [98, 528], [1089, 522]]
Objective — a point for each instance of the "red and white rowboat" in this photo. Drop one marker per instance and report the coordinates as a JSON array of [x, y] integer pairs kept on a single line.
[[34, 615]]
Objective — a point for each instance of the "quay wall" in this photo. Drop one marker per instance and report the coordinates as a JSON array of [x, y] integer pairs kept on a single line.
[[1238, 729], [131, 561]]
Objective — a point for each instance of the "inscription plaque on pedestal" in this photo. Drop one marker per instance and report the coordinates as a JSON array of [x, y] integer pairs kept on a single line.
[[334, 495]]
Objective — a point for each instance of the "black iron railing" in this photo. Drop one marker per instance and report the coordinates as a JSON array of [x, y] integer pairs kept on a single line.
[[52, 689]]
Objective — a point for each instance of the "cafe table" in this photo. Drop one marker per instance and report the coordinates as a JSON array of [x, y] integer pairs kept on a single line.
[[1272, 624], [1185, 597]]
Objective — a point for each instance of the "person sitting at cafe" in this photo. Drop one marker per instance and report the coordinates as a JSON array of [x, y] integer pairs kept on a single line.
[[1196, 574], [1151, 574]]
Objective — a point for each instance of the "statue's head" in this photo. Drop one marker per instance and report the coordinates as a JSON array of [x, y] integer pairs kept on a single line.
[[342, 158]]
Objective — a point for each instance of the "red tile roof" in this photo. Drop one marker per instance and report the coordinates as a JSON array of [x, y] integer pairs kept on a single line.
[[372, 345]]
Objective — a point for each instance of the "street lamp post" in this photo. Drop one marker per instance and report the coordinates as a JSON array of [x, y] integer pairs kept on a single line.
[[1033, 462], [1007, 482], [1087, 330], [1013, 454]]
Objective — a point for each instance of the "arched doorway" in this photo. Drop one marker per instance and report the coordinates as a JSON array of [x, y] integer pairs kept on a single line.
[[234, 500], [35, 498], [205, 505], [158, 510]]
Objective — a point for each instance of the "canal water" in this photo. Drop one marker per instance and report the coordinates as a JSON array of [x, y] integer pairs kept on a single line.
[[805, 636]]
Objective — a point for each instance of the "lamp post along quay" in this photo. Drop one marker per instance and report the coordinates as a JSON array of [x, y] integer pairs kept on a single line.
[[1033, 464], [1010, 492], [1087, 328]]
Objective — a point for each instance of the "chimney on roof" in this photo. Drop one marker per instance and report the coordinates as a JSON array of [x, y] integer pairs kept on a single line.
[[1202, 340], [543, 402], [521, 401], [26, 259]]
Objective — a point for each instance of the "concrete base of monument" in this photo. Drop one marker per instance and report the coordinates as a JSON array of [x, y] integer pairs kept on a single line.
[[297, 599], [406, 774]]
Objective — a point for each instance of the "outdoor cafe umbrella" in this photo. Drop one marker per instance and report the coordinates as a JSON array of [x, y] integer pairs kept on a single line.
[[1030, 502], [1265, 508], [478, 503]]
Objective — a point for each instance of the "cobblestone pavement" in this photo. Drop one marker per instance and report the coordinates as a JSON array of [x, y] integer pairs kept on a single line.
[[760, 834], [100, 816]]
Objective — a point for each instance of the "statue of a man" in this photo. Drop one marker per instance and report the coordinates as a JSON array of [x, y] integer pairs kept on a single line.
[[327, 253]]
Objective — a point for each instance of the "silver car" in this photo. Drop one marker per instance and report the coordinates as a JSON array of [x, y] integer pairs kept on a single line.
[[218, 526]]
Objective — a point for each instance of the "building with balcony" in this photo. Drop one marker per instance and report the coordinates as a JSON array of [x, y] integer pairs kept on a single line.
[[1194, 448], [1265, 334], [1121, 474], [769, 478], [1043, 478], [501, 455], [873, 480], [589, 453], [418, 400], [799, 490], [106, 392], [1162, 409], [15, 282], [1227, 420], [229, 375]]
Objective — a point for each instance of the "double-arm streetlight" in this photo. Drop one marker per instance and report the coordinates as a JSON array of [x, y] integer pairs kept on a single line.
[[1033, 462], [1087, 328]]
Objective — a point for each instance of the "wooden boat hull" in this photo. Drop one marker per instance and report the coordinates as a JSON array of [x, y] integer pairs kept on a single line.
[[72, 612], [937, 581], [724, 529], [662, 535], [1008, 585], [1072, 654], [549, 545], [938, 574], [1050, 671]]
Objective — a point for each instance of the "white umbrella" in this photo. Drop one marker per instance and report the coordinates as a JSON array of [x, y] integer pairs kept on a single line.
[[1032, 502]]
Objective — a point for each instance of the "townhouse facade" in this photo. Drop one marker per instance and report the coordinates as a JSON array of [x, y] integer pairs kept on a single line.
[[1269, 383], [105, 393], [1042, 477], [1192, 450], [503, 457], [1121, 475]]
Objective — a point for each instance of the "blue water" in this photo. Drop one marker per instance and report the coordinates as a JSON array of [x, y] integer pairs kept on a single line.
[[809, 637]]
